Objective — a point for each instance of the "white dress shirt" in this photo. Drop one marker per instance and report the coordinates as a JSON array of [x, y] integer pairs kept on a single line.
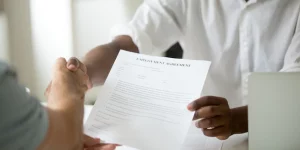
[[238, 37]]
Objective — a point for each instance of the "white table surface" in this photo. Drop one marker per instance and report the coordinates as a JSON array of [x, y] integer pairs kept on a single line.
[[235, 142]]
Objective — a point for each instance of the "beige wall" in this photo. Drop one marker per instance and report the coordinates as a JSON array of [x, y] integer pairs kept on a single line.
[[92, 21], [33, 33], [51, 37], [4, 52], [20, 47], [39, 32], [1, 5]]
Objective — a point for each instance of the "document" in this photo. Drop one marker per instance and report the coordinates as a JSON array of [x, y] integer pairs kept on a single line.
[[143, 103], [196, 140]]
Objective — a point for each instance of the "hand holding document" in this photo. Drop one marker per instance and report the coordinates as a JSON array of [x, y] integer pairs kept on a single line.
[[144, 99]]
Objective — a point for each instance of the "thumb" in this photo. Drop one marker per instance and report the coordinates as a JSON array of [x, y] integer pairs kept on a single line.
[[222, 137], [73, 64]]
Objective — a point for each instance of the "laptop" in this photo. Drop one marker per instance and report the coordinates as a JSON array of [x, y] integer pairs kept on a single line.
[[274, 111]]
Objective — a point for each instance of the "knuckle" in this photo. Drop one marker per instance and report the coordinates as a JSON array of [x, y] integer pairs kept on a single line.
[[207, 132], [60, 59], [84, 87], [224, 100]]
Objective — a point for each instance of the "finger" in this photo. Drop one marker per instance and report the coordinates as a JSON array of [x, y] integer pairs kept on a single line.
[[73, 64], [218, 131], [208, 112], [206, 101], [82, 79], [89, 84], [211, 122], [89, 141], [223, 137], [87, 80], [102, 147], [82, 67], [60, 63]]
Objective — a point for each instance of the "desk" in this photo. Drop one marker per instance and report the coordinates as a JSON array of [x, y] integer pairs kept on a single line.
[[236, 142]]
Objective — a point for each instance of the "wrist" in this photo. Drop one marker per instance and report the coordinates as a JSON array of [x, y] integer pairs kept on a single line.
[[99, 61], [239, 120], [63, 132], [67, 104], [234, 125]]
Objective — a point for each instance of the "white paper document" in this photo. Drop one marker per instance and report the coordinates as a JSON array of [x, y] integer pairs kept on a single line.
[[143, 103], [196, 140]]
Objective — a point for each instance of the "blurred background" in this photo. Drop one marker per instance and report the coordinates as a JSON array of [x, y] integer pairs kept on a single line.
[[33, 33]]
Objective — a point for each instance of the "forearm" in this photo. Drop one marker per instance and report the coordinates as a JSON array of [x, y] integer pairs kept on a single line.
[[239, 120], [64, 131], [100, 59], [65, 115]]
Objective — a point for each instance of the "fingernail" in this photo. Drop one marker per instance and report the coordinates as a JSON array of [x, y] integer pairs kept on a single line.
[[73, 61], [72, 66]]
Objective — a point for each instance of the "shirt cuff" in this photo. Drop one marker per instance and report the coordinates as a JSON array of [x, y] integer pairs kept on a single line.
[[291, 68]]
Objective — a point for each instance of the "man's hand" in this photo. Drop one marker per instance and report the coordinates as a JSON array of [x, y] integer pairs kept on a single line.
[[75, 66], [100, 59], [65, 96], [215, 116], [94, 144]]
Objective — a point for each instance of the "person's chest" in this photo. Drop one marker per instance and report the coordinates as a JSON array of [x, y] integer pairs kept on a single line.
[[248, 37]]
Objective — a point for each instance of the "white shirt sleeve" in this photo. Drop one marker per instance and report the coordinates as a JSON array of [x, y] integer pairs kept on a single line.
[[292, 56], [156, 26]]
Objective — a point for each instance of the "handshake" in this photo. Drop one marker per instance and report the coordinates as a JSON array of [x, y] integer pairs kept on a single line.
[[65, 95]]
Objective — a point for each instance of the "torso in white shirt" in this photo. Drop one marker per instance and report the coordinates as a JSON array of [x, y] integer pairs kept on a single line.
[[238, 37]]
